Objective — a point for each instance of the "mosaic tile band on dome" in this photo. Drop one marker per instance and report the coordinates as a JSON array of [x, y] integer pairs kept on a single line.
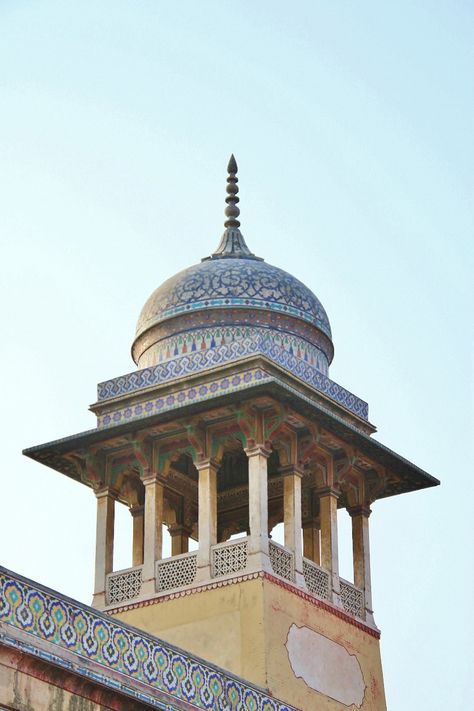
[[230, 288]]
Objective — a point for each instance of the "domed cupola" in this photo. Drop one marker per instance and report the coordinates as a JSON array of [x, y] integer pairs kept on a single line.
[[232, 305]]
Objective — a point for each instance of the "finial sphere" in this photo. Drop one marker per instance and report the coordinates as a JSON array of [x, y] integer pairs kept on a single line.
[[232, 165]]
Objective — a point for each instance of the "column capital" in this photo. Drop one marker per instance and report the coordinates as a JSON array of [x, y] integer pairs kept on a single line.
[[137, 510], [291, 470], [153, 478], [328, 491], [106, 491], [209, 463], [359, 510], [179, 529], [257, 449]]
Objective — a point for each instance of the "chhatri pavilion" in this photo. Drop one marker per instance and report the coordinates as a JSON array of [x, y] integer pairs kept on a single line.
[[229, 426]]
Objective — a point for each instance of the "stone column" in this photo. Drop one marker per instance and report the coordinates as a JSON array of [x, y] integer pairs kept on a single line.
[[292, 517], [207, 516], [328, 498], [104, 547], [312, 541], [258, 508], [137, 513], [179, 539], [361, 555], [153, 537]]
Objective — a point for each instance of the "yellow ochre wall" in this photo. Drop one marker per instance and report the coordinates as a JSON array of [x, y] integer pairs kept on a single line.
[[266, 633]]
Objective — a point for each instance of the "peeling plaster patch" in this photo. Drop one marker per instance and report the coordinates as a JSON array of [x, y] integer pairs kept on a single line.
[[325, 666]]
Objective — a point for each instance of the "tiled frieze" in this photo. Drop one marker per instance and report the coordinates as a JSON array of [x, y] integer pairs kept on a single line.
[[201, 360], [114, 650], [241, 318], [205, 339], [184, 396]]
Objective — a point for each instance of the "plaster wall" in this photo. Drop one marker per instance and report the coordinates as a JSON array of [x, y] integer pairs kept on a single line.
[[325, 661], [262, 631], [222, 624], [28, 684]]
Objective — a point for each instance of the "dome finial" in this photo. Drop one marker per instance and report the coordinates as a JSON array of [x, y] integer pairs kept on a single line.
[[232, 211], [232, 244]]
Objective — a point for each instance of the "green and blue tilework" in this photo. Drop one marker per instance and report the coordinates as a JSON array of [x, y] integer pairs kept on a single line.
[[93, 637]]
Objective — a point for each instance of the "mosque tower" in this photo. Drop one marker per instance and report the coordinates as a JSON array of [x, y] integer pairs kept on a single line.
[[229, 426]]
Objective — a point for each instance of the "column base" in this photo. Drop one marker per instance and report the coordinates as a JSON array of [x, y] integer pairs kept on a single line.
[[336, 591], [203, 574], [148, 587], [98, 600], [300, 580], [369, 618], [259, 561]]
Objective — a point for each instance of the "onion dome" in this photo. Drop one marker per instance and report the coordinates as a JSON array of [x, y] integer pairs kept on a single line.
[[230, 305]]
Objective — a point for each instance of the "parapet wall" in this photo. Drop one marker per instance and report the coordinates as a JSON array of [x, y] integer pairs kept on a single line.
[[73, 640]]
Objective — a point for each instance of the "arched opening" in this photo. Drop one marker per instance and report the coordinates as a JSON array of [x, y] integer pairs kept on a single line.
[[344, 534], [129, 521]]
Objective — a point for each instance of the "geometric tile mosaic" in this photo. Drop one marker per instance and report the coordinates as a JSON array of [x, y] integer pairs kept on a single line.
[[233, 282], [184, 396], [199, 361], [208, 391], [110, 645], [204, 339]]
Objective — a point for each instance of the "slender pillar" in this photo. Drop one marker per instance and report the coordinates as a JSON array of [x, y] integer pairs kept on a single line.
[[104, 548], [292, 517], [258, 508], [329, 546], [137, 513], [179, 539], [153, 536], [207, 516], [312, 541], [361, 555]]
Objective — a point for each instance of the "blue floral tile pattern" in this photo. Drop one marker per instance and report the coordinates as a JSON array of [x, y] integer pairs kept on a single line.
[[113, 646], [204, 339], [233, 282], [198, 361], [185, 396]]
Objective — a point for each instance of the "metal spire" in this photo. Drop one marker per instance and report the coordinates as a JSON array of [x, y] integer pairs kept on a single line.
[[232, 243], [232, 211]]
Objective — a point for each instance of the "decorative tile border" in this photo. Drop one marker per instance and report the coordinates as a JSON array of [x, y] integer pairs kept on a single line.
[[234, 282], [211, 338], [239, 578], [275, 324], [111, 646], [202, 360], [184, 396]]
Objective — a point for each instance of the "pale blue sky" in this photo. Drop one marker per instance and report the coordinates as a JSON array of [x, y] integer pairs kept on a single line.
[[352, 126]]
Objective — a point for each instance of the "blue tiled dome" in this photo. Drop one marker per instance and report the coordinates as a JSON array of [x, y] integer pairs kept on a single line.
[[241, 282], [229, 306]]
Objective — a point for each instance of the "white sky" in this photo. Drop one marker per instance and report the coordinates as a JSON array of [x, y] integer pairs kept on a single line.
[[352, 127]]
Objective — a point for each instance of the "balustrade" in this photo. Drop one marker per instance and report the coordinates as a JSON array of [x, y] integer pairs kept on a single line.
[[176, 572], [317, 579], [282, 560], [123, 585], [352, 599], [229, 557]]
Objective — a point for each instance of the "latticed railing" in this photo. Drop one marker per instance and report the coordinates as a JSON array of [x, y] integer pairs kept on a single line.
[[352, 599], [317, 579], [282, 560], [229, 557], [176, 572], [123, 585]]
